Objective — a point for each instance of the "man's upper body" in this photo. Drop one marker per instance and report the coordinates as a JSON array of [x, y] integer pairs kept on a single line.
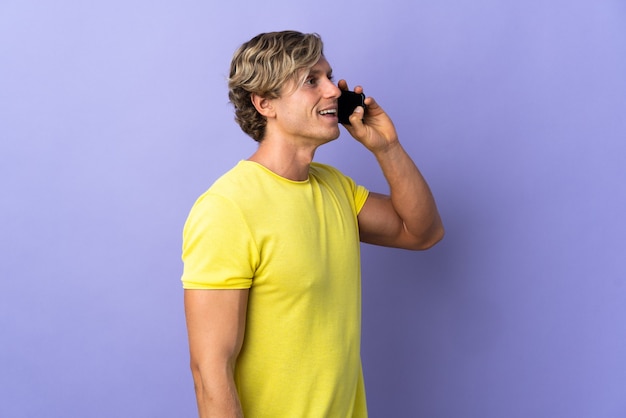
[[295, 245], [271, 251]]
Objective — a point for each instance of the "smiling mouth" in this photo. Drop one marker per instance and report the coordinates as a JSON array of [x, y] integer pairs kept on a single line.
[[328, 112]]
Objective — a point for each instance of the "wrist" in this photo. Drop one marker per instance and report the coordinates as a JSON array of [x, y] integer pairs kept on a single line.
[[389, 148]]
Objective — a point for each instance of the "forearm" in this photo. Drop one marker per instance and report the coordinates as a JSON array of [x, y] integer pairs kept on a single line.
[[216, 394], [411, 196]]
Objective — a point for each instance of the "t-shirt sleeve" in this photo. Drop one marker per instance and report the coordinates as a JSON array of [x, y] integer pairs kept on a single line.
[[360, 196], [218, 249]]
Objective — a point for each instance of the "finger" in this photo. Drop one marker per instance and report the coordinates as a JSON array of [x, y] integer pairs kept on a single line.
[[343, 85], [370, 102]]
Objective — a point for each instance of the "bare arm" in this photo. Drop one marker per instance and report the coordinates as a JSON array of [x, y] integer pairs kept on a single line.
[[408, 218], [216, 321]]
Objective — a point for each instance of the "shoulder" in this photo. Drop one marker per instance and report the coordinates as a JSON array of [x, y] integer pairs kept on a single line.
[[238, 184], [232, 179], [324, 168], [336, 180], [325, 171], [221, 196]]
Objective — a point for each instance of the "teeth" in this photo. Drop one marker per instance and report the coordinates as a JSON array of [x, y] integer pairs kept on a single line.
[[328, 111]]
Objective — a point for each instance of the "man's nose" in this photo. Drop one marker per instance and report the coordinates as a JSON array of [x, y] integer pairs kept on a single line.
[[332, 90]]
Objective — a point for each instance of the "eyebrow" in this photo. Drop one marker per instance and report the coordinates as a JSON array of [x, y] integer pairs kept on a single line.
[[317, 72]]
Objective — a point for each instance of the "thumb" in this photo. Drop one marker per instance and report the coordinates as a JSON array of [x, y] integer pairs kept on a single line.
[[357, 126], [356, 118]]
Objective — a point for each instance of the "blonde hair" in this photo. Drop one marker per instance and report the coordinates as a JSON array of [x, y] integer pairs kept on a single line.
[[262, 66]]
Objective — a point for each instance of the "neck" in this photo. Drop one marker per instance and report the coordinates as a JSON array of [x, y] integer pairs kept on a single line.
[[284, 159]]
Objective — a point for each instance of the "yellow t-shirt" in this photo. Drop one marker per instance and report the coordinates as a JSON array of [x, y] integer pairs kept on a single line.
[[296, 246]]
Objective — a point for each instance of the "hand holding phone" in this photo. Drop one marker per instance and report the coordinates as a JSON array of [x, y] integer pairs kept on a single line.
[[347, 102]]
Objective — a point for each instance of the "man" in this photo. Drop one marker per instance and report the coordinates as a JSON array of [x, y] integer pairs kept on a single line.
[[271, 250]]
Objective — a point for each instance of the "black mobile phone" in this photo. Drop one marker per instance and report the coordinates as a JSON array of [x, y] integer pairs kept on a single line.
[[348, 101]]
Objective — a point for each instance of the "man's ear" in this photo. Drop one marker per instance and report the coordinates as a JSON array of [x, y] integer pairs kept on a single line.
[[262, 105]]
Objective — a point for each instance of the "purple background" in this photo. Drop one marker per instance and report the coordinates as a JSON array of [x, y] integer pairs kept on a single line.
[[114, 118]]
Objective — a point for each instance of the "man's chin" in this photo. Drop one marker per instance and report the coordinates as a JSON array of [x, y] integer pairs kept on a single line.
[[331, 138]]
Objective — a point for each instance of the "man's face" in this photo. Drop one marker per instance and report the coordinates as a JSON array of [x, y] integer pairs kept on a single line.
[[307, 113]]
